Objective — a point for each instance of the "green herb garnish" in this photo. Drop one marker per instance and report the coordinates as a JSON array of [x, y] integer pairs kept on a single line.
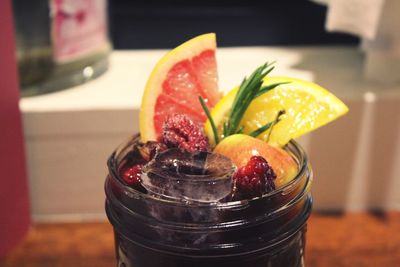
[[277, 119], [249, 89], [214, 128], [268, 125], [266, 88]]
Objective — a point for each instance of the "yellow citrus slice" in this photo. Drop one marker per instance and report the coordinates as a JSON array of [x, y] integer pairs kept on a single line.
[[176, 82], [307, 107]]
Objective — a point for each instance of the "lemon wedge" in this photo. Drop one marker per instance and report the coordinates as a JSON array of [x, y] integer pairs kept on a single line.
[[307, 106]]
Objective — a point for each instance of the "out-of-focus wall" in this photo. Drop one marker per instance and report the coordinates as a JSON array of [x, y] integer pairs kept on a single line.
[[162, 24]]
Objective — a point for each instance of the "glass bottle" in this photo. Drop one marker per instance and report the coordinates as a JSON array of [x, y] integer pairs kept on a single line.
[[60, 43]]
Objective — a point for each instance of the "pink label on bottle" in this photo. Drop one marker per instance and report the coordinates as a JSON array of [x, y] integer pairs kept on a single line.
[[79, 27]]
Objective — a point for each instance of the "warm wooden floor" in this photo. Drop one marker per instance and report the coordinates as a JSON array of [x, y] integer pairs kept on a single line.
[[350, 240]]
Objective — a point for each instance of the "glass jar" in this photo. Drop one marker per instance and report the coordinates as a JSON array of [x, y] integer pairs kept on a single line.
[[60, 43], [264, 231]]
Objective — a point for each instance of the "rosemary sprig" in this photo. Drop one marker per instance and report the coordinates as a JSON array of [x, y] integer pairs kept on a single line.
[[269, 87], [265, 127], [247, 92], [240, 130], [249, 89], [277, 119], [225, 129], [261, 129], [214, 128]]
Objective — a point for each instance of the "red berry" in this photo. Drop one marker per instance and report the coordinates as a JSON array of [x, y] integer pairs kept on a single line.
[[180, 131], [254, 179], [131, 176]]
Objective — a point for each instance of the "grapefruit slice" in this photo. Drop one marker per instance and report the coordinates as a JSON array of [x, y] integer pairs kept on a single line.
[[176, 82]]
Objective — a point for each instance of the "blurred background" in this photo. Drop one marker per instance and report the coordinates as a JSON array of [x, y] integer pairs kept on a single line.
[[237, 23], [80, 68]]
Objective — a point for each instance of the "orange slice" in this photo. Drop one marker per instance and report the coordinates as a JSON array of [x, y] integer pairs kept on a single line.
[[176, 82], [308, 106]]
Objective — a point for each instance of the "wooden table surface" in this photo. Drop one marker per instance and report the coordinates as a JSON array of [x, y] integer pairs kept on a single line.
[[333, 240]]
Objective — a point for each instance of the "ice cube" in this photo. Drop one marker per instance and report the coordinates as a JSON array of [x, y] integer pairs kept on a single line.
[[193, 177]]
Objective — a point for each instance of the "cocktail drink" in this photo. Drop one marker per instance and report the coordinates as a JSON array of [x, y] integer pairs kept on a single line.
[[159, 230], [206, 188]]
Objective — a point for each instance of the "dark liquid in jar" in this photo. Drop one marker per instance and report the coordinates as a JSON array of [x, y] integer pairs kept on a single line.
[[265, 232]]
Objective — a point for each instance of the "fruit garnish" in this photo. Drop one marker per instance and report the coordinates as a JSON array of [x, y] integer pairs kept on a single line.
[[276, 109], [176, 82], [131, 176], [180, 131], [240, 148], [248, 126], [253, 179]]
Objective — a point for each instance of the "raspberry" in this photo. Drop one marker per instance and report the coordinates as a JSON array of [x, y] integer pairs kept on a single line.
[[180, 131], [131, 176], [254, 179]]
